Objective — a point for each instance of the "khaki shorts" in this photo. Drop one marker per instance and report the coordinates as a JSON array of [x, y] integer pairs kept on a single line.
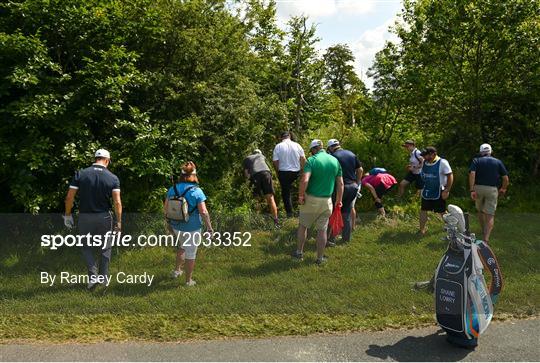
[[315, 211], [486, 199]]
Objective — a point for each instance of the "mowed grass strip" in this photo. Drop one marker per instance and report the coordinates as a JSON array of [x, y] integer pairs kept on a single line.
[[259, 291], [161, 327]]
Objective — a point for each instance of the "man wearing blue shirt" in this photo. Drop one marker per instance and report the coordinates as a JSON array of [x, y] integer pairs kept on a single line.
[[488, 178], [96, 186], [352, 175]]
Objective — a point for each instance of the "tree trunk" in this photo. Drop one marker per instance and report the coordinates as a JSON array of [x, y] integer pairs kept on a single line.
[[536, 166]]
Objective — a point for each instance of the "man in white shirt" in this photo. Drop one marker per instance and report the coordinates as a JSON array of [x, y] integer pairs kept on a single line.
[[288, 160], [413, 168]]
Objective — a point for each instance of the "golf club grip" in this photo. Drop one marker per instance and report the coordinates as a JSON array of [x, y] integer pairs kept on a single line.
[[467, 226]]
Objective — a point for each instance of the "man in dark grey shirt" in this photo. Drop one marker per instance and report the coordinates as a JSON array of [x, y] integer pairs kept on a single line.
[[258, 172], [96, 186]]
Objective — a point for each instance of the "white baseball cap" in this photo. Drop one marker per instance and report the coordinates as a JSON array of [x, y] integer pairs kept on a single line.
[[315, 143], [332, 142], [102, 153], [485, 149]]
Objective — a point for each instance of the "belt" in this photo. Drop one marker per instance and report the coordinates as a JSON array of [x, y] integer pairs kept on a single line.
[[93, 212]]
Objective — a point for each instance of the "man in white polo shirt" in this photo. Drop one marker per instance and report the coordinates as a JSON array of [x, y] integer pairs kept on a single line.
[[288, 160], [414, 168]]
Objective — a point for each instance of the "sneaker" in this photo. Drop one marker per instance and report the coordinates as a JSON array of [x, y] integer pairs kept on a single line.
[[322, 260], [92, 285], [297, 255], [420, 285], [428, 286], [191, 283], [330, 244], [175, 274], [276, 224]]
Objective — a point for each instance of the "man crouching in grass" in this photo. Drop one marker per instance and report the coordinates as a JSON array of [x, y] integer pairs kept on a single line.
[[322, 173]]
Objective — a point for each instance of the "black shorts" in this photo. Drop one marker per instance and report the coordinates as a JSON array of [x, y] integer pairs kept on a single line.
[[262, 183], [414, 178], [436, 205], [381, 190]]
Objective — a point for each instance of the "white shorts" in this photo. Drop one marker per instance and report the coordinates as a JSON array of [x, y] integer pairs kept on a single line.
[[188, 241]]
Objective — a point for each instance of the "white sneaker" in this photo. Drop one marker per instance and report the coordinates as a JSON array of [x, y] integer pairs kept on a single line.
[[191, 283], [91, 285], [175, 274]]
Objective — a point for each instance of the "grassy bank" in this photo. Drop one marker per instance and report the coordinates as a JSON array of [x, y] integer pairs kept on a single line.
[[259, 291]]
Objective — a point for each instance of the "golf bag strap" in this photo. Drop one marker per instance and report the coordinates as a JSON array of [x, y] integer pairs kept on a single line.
[[490, 262]]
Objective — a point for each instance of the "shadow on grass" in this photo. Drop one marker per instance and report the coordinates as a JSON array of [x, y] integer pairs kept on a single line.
[[160, 282], [433, 347], [438, 245], [284, 242], [365, 218], [282, 265], [21, 259], [38, 290], [399, 237]]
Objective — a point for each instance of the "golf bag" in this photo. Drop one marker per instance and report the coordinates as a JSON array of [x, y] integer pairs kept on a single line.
[[464, 304]]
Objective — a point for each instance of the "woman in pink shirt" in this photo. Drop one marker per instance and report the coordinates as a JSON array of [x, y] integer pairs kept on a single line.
[[379, 184]]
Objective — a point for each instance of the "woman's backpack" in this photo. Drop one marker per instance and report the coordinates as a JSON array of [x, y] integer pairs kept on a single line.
[[178, 206]]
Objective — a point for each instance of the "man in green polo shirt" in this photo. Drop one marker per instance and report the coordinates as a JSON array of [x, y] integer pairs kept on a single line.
[[322, 172]]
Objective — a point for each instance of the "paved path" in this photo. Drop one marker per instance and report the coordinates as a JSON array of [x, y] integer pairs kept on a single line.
[[505, 341]]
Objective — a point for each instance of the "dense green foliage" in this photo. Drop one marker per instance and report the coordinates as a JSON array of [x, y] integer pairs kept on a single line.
[[158, 82], [466, 72]]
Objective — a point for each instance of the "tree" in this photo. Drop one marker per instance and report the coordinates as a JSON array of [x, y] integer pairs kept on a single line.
[[342, 80], [467, 72], [305, 70], [155, 82]]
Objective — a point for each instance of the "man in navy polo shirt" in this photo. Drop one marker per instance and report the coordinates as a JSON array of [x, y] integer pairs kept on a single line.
[[486, 175], [96, 186], [352, 175]]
